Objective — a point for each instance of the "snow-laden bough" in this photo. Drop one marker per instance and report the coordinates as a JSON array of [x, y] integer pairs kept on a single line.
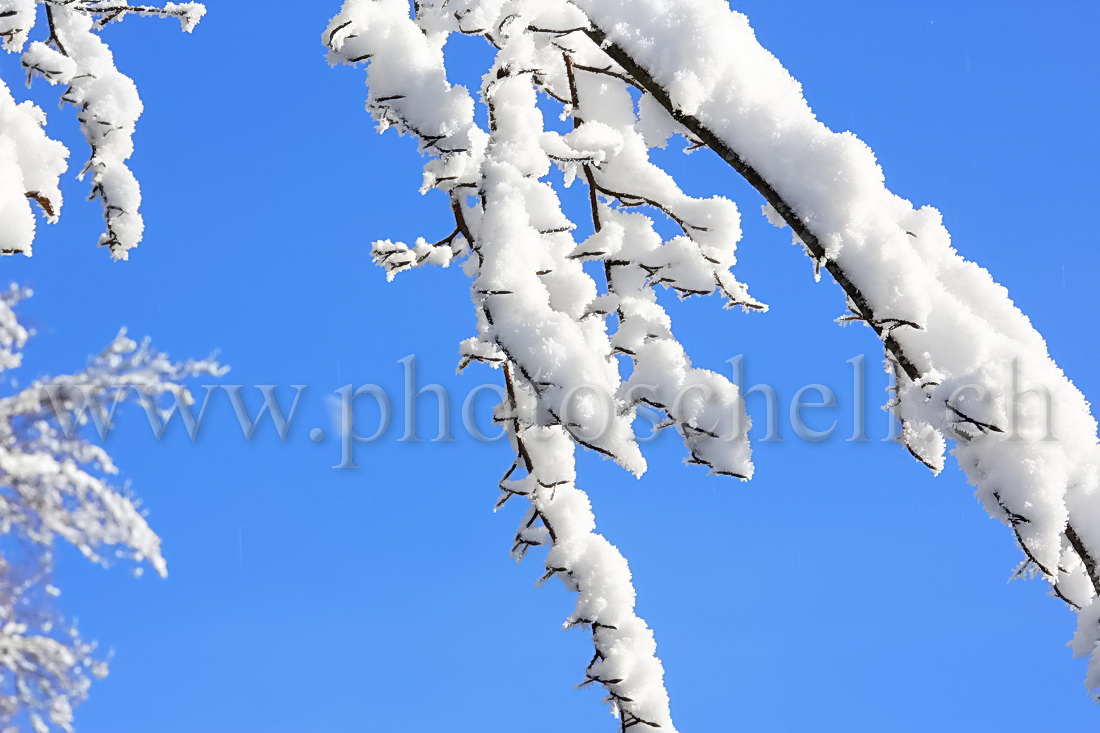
[[630, 75], [107, 106], [55, 486]]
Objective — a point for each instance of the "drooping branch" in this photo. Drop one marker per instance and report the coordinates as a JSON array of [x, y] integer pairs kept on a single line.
[[560, 518], [508, 172], [914, 367], [107, 106], [859, 303], [894, 263]]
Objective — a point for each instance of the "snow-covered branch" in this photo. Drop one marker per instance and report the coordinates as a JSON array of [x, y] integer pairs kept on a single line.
[[108, 107], [564, 337], [47, 669], [54, 485], [944, 323], [630, 75], [560, 517]]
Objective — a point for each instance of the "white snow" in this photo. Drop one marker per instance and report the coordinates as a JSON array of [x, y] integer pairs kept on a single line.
[[31, 165], [107, 106], [959, 349], [955, 324], [57, 488], [581, 355]]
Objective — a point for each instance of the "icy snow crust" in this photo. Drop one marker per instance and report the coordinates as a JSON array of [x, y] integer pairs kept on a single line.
[[957, 346]]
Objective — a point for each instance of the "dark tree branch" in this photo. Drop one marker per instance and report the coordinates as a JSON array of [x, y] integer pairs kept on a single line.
[[862, 307]]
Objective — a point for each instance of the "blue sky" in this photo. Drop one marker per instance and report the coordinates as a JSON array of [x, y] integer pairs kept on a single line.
[[843, 589]]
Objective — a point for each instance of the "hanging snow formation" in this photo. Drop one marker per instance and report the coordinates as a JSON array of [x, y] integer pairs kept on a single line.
[[541, 316], [107, 104], [630, 75]]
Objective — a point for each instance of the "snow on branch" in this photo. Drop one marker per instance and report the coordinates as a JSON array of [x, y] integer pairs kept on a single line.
[[48, 669], [106, 11], [564, 336], [629, 75], [54, 485], [108, 107], [945, 324], [31, 165], [560, 517]]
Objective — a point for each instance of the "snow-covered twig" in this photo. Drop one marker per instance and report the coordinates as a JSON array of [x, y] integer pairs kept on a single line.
[[55, 486], [540, 313], [108, 107]]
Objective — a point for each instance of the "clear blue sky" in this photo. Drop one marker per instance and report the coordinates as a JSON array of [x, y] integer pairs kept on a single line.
[[843, 589]]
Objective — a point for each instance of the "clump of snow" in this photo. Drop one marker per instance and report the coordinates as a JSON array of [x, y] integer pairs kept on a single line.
[[31, 165]]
